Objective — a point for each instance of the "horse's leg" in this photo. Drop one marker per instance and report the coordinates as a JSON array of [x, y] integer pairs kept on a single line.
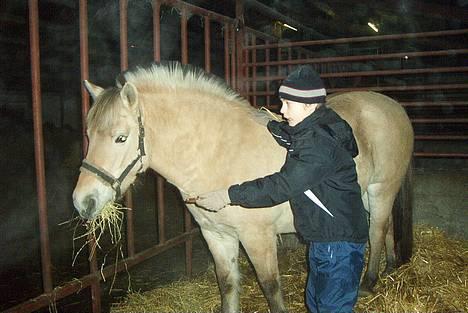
[[390, 247], [225, 251], [261, 249], [381, 197]]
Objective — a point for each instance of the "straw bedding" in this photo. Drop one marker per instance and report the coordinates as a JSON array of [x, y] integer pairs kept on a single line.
[[434, 281]]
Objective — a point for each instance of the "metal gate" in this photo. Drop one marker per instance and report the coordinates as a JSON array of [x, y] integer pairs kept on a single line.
[[391, 64]]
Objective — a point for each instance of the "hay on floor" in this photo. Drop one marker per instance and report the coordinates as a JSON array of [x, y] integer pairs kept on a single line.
[[434, 281]]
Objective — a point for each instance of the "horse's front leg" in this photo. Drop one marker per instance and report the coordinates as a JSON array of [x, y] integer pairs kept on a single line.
[[225, 250], [260, 246]]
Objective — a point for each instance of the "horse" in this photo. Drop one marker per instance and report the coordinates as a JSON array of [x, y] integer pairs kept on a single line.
[[200, 135]]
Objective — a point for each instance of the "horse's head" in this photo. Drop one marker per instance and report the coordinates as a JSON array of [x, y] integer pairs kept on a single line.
[[115, 151]]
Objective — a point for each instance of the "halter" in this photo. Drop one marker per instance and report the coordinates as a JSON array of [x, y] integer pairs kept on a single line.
[[108, 178]]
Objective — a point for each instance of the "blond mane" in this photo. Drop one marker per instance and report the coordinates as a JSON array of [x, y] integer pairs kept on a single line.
[[175, 77]]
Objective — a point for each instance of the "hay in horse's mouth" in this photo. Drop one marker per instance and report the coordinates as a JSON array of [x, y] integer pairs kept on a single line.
[[109, 220]]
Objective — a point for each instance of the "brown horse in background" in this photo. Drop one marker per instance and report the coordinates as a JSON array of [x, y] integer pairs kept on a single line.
[[201, 136]]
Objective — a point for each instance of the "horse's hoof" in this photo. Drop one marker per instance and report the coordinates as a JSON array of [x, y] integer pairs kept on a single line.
[[365, 291]]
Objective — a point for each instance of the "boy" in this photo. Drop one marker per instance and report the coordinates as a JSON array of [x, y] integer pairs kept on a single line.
[[320, 181]]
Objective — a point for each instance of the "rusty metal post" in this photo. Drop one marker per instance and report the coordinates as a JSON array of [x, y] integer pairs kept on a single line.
[[234, 53], [161, 208], [39, 144], [84, 69], [157, 30], [227, 53], [254, 71], [240, 44], [187, 216], [123, 18], [267, 74], [207, 44]]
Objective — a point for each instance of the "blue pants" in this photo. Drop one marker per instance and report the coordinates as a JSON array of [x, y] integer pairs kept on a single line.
[[334, 273]]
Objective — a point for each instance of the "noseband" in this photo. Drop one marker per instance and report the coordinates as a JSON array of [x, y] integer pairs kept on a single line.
[[108, 178]]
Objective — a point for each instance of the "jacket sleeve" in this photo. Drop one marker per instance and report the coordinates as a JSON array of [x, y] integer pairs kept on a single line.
[[281, 137], [299, 173]]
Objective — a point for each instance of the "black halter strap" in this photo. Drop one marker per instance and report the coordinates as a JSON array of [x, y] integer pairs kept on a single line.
[[108, 178]]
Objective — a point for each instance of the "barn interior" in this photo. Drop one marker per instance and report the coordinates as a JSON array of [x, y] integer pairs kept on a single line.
[[441, 129]]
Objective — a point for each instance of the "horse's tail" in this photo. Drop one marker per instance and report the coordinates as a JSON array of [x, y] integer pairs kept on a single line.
[[403, 219]]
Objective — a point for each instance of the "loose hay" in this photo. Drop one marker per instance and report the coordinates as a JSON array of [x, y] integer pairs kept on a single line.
[[110, 219], [434, 281]]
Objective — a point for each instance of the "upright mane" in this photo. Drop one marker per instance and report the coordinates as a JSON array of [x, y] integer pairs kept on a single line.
[[176, 76], [173, 76]]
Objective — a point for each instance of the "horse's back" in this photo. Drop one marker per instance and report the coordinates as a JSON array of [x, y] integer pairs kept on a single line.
[[383, 132]]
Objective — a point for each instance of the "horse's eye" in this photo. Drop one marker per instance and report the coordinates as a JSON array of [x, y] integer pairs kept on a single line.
[[121, 139]]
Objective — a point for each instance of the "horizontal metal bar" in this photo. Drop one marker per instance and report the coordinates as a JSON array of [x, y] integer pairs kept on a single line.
[[199, 11], [377, 88], [440, 155], [367, 57], [434, 103], [362, 39], [78, 284], [440, 137], [374, 73], [439, 120], [402, 88]]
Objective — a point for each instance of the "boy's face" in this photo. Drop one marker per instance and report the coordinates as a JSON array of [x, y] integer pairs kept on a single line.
[[295, 112]]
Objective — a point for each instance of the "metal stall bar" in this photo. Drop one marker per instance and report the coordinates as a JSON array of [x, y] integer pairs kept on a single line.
[[368, 57], [234, 53], [39, 145], [160, 195], [84, 70], [187, 216], [207, 39], [379, 73], [123, 21], [362, 39], [227, 53], [254, 71], [157, 30]]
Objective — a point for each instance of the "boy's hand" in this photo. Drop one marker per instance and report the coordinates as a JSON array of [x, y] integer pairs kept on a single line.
[[214, 200]]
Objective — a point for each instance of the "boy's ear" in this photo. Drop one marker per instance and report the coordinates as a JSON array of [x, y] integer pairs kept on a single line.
[[93, 90]]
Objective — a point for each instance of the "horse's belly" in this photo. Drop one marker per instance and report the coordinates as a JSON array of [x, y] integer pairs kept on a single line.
[[236, 219]]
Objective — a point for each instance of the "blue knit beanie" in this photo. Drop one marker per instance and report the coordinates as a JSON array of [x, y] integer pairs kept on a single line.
[[303, 85]]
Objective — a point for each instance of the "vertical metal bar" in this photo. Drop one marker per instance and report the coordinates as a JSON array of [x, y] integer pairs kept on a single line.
[[267, 74], [157, 30], [226, 53], [187, 216], [160, 203], [207, 44], [84, 69], [39, 144], [239, 44], [254, 71], [161, 208], [184, 37], [123, 18], [245, 88], [289, 58], [233, 57]]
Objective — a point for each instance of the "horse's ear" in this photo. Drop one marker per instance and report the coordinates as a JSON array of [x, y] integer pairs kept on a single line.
[[93, 90], [129, 95]]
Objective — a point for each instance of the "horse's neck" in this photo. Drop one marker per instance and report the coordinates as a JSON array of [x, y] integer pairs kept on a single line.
[[191, 137]]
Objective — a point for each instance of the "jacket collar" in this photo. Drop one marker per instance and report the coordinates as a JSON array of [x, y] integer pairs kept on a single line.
[[307, 122]]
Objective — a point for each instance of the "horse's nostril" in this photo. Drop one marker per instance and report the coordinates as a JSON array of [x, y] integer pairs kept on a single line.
[[89, 207]]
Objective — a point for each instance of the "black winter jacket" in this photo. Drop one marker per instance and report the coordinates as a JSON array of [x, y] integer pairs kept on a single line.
[[318, 178]]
